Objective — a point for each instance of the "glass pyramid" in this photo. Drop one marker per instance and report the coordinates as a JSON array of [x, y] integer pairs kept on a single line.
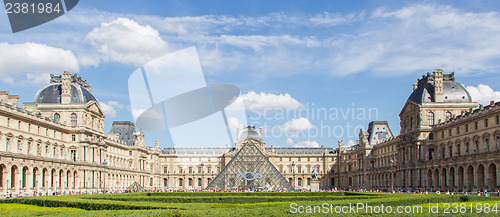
[[250, 169]]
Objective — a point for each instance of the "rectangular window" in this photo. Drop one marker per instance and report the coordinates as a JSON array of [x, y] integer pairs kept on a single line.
[[498, 119], [130, 153], [458, 130], [467, 128], [382, 135], [475, 125], [73, 155], [486, 122], [450, 132]]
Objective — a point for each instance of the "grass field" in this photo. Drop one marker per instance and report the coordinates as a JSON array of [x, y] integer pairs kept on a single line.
[[252, 204]]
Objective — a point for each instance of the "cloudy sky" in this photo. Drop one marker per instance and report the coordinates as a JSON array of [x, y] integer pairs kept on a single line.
[[310, 73]]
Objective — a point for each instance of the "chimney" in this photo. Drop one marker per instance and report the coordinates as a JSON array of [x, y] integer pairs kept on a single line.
[[438, 85], [66, 88]]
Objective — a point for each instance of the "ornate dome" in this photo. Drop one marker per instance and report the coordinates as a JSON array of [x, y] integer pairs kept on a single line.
[[52, 93], [452, 90], [249, 132]]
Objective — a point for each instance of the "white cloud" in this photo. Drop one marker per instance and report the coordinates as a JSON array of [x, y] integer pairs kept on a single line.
[[385, 42], [33, 62], [124, 40], [234, 123], [350, 143], [411, 39], [110, 107], [418, 38], [303, 144], [137, 112], [483, 94], [296, 126], [268, 102]]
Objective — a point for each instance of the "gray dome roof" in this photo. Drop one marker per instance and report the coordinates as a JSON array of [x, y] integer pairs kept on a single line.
[[452, 92], [249, 132], [52, 94]]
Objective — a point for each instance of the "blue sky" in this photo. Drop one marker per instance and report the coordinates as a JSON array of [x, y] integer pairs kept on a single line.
[[288, 57]]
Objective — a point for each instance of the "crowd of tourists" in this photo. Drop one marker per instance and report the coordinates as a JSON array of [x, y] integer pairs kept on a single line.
[[64, 193]]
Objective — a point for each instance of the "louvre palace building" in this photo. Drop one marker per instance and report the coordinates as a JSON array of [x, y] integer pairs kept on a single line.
[[57, 143]]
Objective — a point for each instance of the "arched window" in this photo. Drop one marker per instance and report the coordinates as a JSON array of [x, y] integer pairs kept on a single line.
[[430, 118], [73, 120], [57, 117], [448, 115]]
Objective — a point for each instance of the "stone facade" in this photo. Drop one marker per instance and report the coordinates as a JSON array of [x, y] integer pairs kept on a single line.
[[57, 143], [446, 142]]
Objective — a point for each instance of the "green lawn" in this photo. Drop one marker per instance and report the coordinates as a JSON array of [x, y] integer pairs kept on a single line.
[[252, 204]]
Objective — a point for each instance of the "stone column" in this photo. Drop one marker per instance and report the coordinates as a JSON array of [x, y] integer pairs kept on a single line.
[[475, 180], [498, 178], [5, 175], [29, 182]]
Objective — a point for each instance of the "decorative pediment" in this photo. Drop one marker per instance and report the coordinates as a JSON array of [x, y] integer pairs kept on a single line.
[[95, 108], [475, 138], [486, 135], [409, 106]]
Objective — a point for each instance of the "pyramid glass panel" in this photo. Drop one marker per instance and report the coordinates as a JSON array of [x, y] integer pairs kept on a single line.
[[250, 169]]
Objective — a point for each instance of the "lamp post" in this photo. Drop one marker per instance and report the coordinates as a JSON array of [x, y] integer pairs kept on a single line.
[[104, 163], [293, 174], [202, 173], [392, 176]]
